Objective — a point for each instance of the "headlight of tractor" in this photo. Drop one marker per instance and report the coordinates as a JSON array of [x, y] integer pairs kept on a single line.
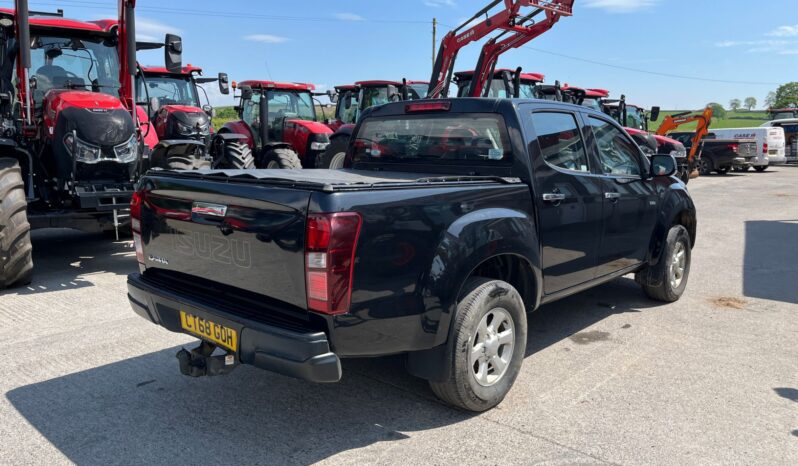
[[127, 152], [184, 130], [319, 145], [83, 151]]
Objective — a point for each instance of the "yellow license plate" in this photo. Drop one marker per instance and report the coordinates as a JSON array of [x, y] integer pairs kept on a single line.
[[223, 336]]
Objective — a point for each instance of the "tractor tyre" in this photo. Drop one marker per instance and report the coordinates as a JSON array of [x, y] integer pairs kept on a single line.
[[237, 156], [333, 158], [281, 158], [16, 259], [180, 162]]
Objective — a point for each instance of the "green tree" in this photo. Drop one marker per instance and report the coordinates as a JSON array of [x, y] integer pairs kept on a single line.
[[770, 100], [717, 110], [735, 104], [750, 103], [786, 95]]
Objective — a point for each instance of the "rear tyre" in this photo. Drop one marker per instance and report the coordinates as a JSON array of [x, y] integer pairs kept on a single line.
[[188, 163], [704, 167], [722, 170], [333, 158], [760, 168], [486, 346], [281, 158], [667, 280], [16, 259], [237, 156]]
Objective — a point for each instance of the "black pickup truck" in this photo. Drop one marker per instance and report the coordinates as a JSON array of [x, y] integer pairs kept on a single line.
[[453, 219], [719, 155]]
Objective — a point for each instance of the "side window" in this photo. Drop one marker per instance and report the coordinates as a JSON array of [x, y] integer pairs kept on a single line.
[[251, 110], [560, 140], [618, 154]]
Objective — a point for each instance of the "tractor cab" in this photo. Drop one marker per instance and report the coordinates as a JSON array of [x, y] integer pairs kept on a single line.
[[278, 116], [175, 107], [782, 113], [502, 84], [594, 98], [352, 99]]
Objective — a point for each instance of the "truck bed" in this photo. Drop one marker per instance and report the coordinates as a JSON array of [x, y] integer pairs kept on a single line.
[[335, 180]]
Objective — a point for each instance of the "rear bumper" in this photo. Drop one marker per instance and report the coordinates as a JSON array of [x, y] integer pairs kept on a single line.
[[305, 356]]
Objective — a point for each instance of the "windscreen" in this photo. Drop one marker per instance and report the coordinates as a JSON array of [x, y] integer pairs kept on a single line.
[[477, 138], [169, 90], [74, 63]]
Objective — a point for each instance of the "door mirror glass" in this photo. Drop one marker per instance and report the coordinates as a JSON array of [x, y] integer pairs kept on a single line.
[[173, 53], [333, 96], [209, 110], [224, 84], [155, 105], [663, 165], [654, 114]]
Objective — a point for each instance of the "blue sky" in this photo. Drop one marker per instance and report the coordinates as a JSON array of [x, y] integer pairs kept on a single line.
[[329, 43]]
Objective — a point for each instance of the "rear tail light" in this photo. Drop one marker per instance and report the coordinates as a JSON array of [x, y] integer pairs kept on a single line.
[[331, 240], [135, 223], [734, 147], [764, 148], [443, 106]]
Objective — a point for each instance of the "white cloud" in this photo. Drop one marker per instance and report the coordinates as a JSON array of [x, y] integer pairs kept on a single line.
[[440, 3], [266, 38], [621, 6], [757, 46], [349, 17], [151, 30], [784, 31], [789, 52]]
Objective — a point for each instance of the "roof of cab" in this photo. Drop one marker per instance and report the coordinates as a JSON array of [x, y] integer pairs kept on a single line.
[[186, 70], [278, 85], [100, 25], [537, 77]]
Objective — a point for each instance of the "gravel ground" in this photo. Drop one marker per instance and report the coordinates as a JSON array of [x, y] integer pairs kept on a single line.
[[610, 377]]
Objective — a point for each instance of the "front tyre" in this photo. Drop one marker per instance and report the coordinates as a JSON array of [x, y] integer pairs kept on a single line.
[[16, 258], [486, 346], [280, 158], [335, 154], [667, 280]]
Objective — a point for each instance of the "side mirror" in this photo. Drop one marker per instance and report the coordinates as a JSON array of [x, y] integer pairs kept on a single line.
[[348, 100], [173, 53], [333, 96], [209, 110], [237, 109], [224, 84], [34, 83], [155, 104], [654, 114], [663, 165]]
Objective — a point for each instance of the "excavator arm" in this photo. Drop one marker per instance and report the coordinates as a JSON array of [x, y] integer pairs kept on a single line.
[[508, 20], [704, 119]]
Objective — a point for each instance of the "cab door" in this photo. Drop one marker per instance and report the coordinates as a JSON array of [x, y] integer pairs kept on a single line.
[[569, 198], [630, 200]]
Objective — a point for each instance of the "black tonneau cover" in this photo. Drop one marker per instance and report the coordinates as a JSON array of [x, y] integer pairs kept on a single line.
[[335, 180]]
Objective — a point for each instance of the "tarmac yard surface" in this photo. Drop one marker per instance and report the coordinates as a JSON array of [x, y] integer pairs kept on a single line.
[[609, 377]]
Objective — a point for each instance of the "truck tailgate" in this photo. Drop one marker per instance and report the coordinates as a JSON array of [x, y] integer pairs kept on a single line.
[[244, 236]]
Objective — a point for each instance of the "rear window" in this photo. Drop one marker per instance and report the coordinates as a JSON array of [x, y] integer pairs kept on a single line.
[[477, 138]]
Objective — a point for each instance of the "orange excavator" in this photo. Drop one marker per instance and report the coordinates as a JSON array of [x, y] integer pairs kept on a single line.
[[704, 119]]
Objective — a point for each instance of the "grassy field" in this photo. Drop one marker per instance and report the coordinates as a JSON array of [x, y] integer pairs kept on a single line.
[[738, 119], [225, 114]]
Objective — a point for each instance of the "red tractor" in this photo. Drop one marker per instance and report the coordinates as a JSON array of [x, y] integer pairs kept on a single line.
[[503, 84], [71, 148], [176, 112], [278, 121], [352, 99]]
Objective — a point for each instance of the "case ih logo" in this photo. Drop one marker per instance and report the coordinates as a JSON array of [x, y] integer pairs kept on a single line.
[[465, 36]]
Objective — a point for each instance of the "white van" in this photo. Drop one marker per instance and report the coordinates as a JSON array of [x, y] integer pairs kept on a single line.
[[790, 126], [769, 143]]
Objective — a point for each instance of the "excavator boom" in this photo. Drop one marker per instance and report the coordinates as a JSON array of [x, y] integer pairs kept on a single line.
[[508, 20]]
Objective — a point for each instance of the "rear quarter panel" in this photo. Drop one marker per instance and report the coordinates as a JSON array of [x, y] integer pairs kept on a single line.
[[416, 248]]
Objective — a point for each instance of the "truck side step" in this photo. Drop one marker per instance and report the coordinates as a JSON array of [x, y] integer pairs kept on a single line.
[[199, 362]]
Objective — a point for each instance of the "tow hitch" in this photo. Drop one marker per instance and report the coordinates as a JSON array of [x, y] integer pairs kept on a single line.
[[199, 362]]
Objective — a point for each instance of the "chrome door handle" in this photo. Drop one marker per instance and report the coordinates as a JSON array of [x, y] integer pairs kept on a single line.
[[612, 196], [553, 197]]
